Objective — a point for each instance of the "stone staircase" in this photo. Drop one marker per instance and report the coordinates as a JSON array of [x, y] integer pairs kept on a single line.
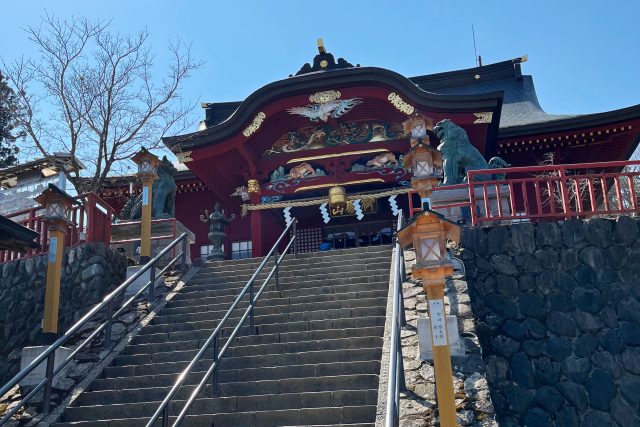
[[314, 360]]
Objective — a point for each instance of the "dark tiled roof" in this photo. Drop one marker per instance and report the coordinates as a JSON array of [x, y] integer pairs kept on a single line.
[[520, 104], [521, 110]]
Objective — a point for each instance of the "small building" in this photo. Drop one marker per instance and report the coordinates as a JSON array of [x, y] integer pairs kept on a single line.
[[19, 184], [333, 123]]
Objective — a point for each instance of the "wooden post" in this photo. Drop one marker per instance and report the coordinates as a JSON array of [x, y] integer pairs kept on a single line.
[[256, 228], [145, 224], [433, 283], [54, 268]]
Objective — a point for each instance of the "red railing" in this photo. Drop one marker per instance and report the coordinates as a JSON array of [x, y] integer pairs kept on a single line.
[[90, 222], [552, 192]]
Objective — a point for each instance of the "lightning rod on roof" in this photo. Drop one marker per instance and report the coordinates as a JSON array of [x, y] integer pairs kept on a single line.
[[477, 58]]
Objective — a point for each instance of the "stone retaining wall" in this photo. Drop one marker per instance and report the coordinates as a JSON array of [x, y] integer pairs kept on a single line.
[[89, 271], [557, 307]]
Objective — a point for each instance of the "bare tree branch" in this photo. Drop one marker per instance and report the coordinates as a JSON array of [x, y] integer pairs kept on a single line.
[[101, 88]]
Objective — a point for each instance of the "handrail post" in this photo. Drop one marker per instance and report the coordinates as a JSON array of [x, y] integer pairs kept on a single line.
[[275, 254], [152, 286], [107, 329], [295, 240], [46, 398], [165, 417], [214, 377], [251, 320], [183, 258]]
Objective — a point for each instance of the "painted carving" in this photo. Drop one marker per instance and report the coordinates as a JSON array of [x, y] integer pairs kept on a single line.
[[459, 156], [326, 110], [241, 192], [302, 170], [311, 138], [383, 160]]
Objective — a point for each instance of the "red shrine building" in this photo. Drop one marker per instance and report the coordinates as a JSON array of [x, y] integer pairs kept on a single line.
[[338, 124]]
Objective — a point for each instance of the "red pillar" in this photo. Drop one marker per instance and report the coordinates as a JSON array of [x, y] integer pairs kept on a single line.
[[256, 228]]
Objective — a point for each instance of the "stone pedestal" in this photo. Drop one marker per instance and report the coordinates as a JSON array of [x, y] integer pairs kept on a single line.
[[456, 345], [126, 235], [461, 195], [140, 281], [39, 373]]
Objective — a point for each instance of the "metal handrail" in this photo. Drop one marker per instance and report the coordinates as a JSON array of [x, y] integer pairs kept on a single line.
[[396, 380], [163, 409], [108, 304]]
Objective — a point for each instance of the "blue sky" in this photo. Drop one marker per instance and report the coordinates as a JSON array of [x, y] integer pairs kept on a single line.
[[584, 55]]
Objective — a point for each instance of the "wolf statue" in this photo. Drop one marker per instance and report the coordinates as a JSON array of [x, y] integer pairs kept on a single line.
[[459, 156], [163, 195]]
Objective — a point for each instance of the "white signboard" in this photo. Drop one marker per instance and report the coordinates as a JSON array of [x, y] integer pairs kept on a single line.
[[438, 327], [53, 246], [145, 196]]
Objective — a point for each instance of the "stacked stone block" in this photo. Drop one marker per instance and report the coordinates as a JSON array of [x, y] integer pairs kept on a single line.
[[557, 306], [88, 272]]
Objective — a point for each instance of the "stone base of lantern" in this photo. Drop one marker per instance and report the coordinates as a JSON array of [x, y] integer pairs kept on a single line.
[[126, 237], [461, 195]]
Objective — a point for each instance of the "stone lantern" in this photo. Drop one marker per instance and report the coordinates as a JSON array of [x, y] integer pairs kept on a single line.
[[217, 230]]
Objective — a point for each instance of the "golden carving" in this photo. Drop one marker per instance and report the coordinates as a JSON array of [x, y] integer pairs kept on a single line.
[[253, 186], [324, 63], [255, 124], [184, 156], [324, 97], [483, 117], [328, 156], [368, 206], [397, 101], [360, 181]]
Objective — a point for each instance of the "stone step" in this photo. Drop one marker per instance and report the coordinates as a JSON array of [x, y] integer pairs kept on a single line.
[[148, 336], [264, 308], [344, 415], [225, 404], [288, 282], [251, 350], [290, 265], [244, 388], [302, 257], [300, 272], [313, 357], [243, 374], [284, 337], [270, 319], [219, 303], [316, 285], [264, 361]]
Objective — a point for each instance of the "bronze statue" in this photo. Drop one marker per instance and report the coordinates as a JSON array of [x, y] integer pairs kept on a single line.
[[163, 195], [460, 156]]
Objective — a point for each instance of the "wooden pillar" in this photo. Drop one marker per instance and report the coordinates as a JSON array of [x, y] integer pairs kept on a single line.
[[256, 233], [145, 224], [433, 284], [57, 231]]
